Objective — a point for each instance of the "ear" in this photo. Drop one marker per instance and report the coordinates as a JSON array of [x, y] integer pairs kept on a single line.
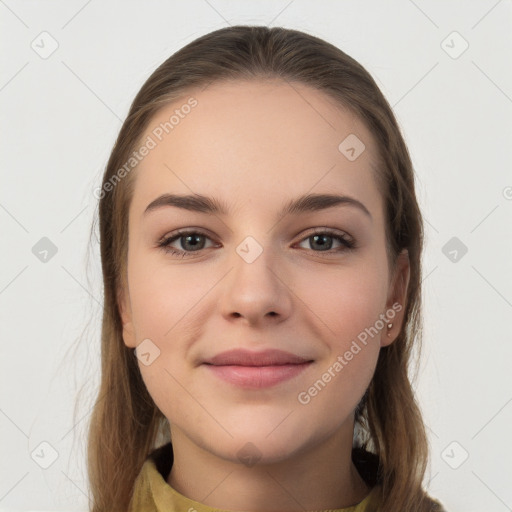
[[125, 311], [397, 298]]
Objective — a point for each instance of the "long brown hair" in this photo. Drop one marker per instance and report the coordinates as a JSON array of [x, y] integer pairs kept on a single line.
[[125, 423]]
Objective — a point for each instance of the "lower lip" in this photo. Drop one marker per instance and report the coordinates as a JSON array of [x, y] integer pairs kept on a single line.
[[256, 377]]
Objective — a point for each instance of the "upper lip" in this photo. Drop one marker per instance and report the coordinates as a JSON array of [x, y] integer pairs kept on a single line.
[[241, 357]]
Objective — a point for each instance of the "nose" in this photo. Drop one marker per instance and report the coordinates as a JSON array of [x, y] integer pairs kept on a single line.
[[256, 292]]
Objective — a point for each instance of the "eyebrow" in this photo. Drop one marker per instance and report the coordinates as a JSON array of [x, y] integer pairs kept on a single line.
[[304, 203]]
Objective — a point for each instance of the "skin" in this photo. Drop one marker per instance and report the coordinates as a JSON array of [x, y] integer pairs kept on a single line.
[[255, 145]]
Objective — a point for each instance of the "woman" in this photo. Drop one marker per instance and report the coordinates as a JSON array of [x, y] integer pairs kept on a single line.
[[261, 245]]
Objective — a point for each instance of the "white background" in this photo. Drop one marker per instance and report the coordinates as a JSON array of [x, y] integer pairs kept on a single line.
[[61, 115]]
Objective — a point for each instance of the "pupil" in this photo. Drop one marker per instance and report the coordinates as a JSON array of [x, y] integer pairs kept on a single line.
[[323, 246], [193, 241]]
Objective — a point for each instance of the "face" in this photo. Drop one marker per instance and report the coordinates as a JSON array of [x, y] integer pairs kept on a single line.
[[311, 282]]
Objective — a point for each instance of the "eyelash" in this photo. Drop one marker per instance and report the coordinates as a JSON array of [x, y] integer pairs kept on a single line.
[[347, 242]]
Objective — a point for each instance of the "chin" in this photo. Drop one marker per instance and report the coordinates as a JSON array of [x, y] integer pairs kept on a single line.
[[262, 452], [255, 445]]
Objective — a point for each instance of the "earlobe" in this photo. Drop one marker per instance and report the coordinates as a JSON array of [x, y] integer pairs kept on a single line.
[[129, 335], [125, 312], [397, 299]]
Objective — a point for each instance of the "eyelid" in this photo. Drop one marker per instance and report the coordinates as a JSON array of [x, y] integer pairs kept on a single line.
[[328, 231], [347, 241], [165, 241], [184, 231]]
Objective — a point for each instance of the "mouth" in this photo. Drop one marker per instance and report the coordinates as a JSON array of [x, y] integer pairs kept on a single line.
[[255, 370]]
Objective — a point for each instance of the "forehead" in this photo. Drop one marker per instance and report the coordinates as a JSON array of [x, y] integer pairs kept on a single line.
[[254, 140]]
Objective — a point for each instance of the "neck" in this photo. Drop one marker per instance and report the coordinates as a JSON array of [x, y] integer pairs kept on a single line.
[[323, 477]]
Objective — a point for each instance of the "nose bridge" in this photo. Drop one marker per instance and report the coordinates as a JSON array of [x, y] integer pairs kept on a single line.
[[255, 290], [255, 265]]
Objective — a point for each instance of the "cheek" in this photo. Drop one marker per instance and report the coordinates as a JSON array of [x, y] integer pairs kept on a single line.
[[165, 299], [346, 301], [168, 307], [347, 305], [350, 308]]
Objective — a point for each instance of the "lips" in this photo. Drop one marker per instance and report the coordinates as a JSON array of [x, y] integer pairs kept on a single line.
[[241, 357], [247, 369]]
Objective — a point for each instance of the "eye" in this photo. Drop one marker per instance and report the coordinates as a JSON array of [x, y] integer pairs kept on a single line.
[[322, 240], [188, 241]]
